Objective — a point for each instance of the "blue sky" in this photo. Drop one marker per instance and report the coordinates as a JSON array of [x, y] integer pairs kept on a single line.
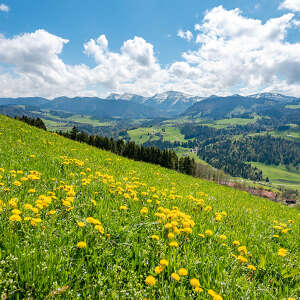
[[157, 23]]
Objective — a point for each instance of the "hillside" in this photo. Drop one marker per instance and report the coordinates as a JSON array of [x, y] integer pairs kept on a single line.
[[83, 223], [216, 107]]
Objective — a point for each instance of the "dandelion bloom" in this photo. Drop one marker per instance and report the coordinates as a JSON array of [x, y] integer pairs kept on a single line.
[[223, 237], [81, 245], [15, 218], [251, 267], [198, 289], [80, 224], [175, 276], [171, 235], [201, 235], [150, 280], [236, 243], [282, 252], [194, 282], [123, 207], [183, 272], [275, 236], [208, 232], [242, 259], [155, 237], [208, 208], [158, 269], [144, 210], [243, 249], [173, 244], [16, 212], [164, 262]]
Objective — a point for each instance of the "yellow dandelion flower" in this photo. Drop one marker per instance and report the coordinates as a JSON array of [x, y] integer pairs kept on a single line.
[[81, 245], [251, 267], [242, 259], [158, 269], [155, 237], [80, 224], [236, 243], [15, 218], [144, 210], [282, 252], [182, 272], [194, 282], [150, 280], [16, 212], [173, 244], [275, 236], [198, 289], [208, 232], [164, 262], [223, 237], [171, 235], [201, 235], [242, 249], [123, 207], [208, 208], [175, 276]]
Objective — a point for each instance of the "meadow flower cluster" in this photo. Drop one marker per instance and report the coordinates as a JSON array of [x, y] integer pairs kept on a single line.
[[90, 224]]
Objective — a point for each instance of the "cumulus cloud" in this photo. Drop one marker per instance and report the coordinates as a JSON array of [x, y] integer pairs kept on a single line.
[[293, 5], [234, 54], [4, 7], [187, 35]]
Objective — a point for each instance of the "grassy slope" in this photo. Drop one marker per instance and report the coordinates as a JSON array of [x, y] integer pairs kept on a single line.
[[38, 259], [280, 175]]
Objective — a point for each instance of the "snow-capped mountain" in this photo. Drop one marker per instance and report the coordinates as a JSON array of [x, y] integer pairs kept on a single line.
[[171, 102], [273, 96]]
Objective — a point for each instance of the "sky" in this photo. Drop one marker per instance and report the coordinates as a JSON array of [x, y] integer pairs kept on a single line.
[[53, 48]]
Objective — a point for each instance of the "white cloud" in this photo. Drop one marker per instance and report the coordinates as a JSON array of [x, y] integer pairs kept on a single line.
[[4, 7], [187, 35], [235, 54], [293, 5]]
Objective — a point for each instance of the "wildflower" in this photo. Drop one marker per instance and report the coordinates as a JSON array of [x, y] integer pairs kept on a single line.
[[144, 210], [198, 289], [31, 191], [208, 232], [16, 212], [168, 226], [194, 282], [171, 235], [150, 280], [15, 218], [155, 237], [201, 235], [99, 228], [236, 243], [164, 262], [242, 259], [251, 267], [183, 272], [208, 208], [123, 207], [158, 269], [80, 224], [223, 237], [81, 245], [175, 276], [173, 244], [275, 236], [282, 252], [17, 183], [242, 249]]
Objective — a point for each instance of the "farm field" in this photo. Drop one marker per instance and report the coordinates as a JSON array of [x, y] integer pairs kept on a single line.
[[279, 175], [80, 223], [169, 133]]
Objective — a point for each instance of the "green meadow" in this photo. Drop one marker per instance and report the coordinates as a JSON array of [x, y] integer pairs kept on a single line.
[[80, 223]]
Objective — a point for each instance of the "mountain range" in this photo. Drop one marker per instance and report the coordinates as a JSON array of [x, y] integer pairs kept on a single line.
[[164, 105]]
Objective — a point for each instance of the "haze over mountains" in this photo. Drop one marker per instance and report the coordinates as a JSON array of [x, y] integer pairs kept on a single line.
[[165, 105]]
